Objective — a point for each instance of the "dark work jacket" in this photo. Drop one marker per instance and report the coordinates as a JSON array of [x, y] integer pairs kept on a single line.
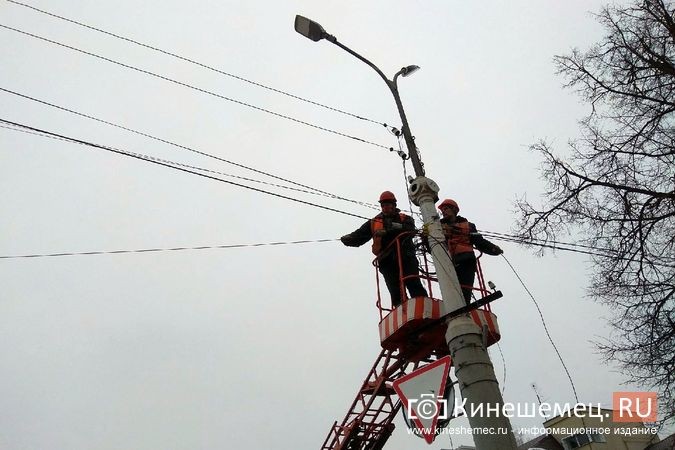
[[475, 238], [388, 255]]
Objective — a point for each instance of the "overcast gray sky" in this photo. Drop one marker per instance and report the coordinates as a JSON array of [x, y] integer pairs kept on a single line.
[[261, 347]]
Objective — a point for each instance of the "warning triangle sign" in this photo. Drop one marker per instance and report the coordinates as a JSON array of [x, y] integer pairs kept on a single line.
[[421, 394]]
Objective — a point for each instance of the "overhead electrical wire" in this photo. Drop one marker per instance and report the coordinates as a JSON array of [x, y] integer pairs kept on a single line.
[[206, 66], [171, 249], [552, 242], [202, 169], [192, 61], [562, 246], [171, 165], [20, 130], [191, 169], [541, 243], [503, 368], [198, 152], [556, 245], [492, 235], [543, 321], [205, 91], [208, 155], [128, 251], [186, 168]]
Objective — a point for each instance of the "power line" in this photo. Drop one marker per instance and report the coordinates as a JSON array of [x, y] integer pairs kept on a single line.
[[570, 244], [556, 246], [163, 162], [608, 253], [503, 368], [208, 155], [126, 251], [543, 321], [492, 235], [205, 91], [191, 61], [202, 169], [20, 130], [170, 165], [171, 249], [185, 167], [176, 165]]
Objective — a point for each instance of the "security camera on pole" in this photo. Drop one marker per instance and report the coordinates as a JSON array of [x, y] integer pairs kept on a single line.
[[472, 364]]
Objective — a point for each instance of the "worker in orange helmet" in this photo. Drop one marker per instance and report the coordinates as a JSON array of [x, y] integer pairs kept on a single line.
[[461, 237], [383, 230]]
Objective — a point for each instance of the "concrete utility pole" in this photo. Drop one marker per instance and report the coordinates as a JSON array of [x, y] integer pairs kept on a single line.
[[473, 368]]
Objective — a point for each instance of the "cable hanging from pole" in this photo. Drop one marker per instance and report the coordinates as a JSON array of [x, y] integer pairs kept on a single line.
[[543, 321]]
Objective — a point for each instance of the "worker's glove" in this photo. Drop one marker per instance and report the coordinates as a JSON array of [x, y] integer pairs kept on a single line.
[[493, 250], [380, 232]]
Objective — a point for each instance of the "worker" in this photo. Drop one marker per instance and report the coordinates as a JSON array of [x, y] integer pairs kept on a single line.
[[383, 229], [461, 237]]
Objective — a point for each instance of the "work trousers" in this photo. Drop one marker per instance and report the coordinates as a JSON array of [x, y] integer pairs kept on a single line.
[[390, 272], [466, 273]]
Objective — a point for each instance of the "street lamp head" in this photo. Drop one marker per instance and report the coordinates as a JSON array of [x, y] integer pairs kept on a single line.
[[409, 70], [309, 28]]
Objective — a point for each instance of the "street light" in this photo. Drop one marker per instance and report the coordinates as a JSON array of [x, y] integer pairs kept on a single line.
[[409, 70], [314, 31], [309, 28]]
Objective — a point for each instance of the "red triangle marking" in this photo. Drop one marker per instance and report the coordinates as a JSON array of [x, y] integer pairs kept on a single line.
[[428, 432]]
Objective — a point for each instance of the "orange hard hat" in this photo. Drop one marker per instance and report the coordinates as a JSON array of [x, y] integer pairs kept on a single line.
[[449, 202], [387, 196]]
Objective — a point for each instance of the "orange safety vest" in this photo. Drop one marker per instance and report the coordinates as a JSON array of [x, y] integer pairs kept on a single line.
[[458, 238], [378, 224]]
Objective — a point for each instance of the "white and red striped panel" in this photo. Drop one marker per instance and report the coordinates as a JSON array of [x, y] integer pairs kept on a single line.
[[420, 308], [416, 308], [483, 317]]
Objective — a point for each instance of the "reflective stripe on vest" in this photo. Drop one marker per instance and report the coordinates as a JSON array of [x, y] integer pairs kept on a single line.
[[458, 238], [378, 224]]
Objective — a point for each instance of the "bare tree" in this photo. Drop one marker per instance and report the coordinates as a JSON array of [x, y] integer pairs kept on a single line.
[[616, 188]]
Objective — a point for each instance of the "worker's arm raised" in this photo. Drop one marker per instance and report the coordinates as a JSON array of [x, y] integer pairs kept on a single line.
[[358, 237], [483, 244]]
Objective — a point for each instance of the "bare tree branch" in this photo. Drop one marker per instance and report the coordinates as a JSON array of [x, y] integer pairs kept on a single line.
[[616, 186]]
